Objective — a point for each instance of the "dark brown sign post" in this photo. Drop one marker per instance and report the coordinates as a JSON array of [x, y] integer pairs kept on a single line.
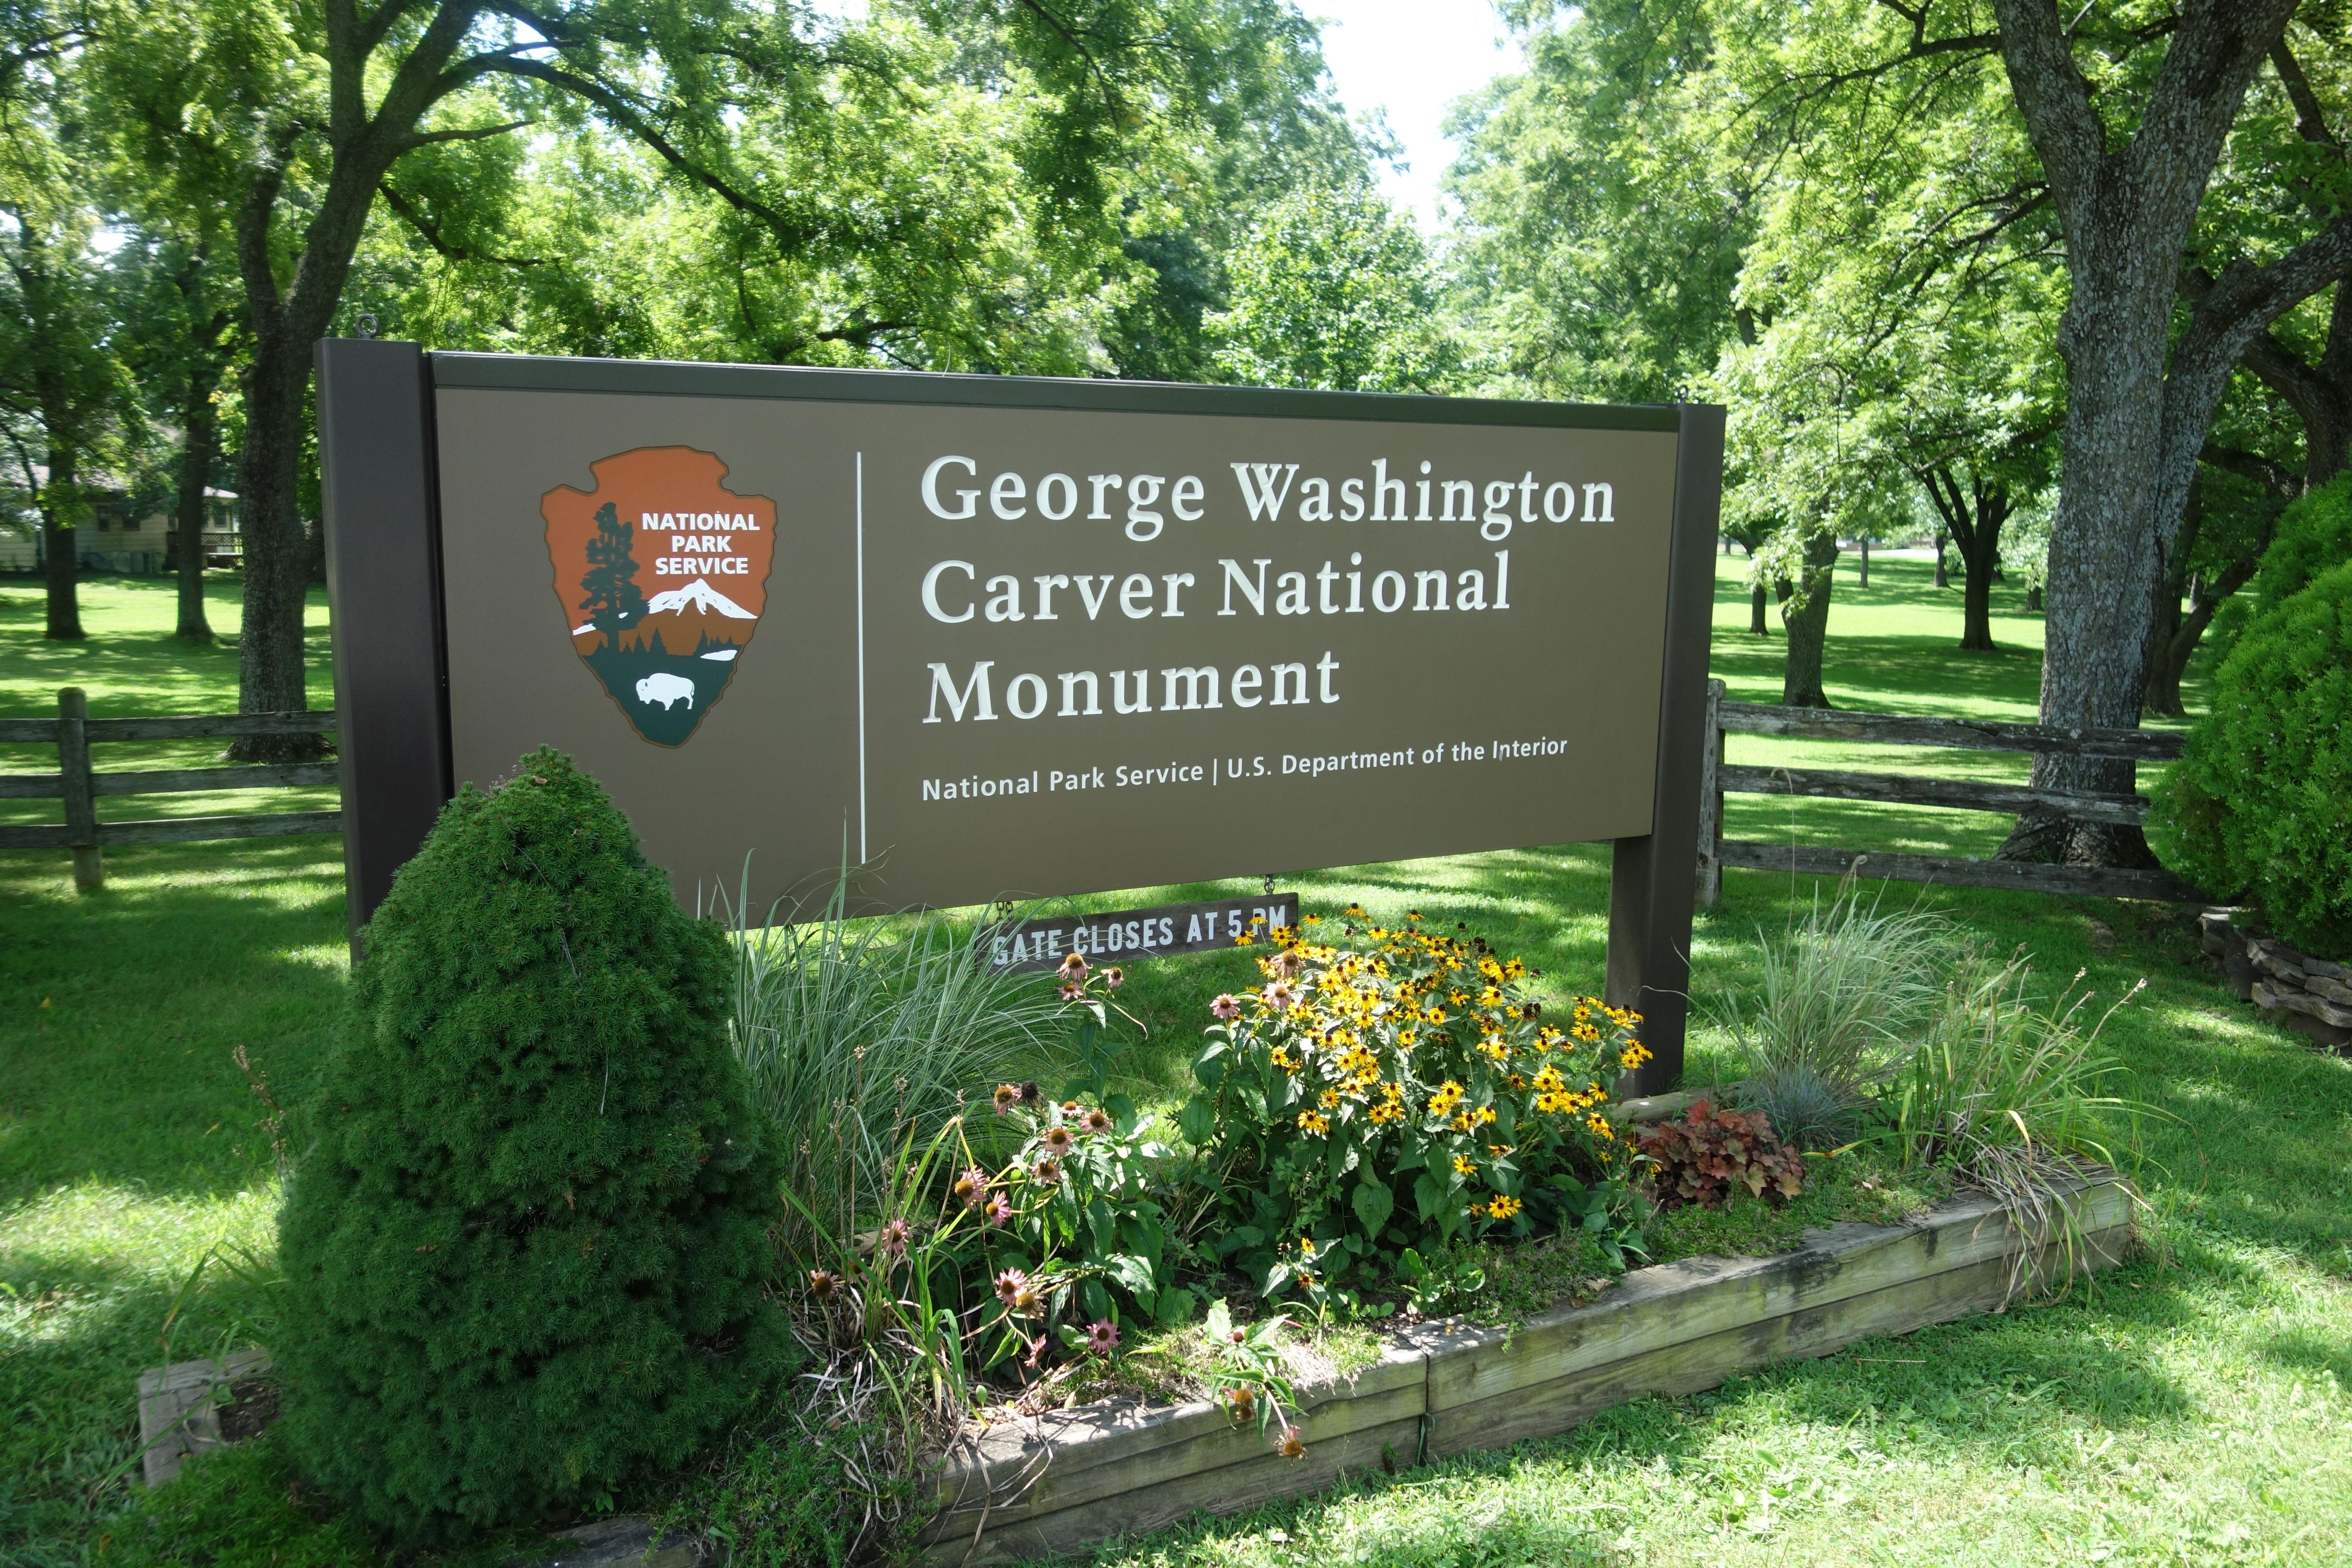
[[997, 638]]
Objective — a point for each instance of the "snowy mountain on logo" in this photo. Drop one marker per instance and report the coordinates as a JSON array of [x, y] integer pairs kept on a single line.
[[685, 621]]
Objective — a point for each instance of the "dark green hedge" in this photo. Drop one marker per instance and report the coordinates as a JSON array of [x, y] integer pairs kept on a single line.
[[2262, 804], [525, 1250]]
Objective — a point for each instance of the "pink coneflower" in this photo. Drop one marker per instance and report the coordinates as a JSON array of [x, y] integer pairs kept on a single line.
[[823, 1284], [1056, 1139], [1290, 1445], [1071, 991], [1112, 977], [1226, 1006], [971, 1188], [1009, 1286], [1099, 1121], [894, 1237], [1102, 1336], [1279, 995], [1073, 967], [999, 1210], [1006, 1097], [1046, 1173]]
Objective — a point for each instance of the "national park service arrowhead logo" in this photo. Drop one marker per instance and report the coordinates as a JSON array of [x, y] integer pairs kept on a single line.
[[663, 574]]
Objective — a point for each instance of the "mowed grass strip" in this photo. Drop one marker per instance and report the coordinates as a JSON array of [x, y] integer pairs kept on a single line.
[[131, 667], [2194, 1411]]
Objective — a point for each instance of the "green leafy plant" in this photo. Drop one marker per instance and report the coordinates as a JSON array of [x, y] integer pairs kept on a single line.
[[524, 1252], [1431, 1284], [1711, 1154], [2260, 803], [1397, 1091], [1846, 987], [1247, 1374], [1609, 1211]]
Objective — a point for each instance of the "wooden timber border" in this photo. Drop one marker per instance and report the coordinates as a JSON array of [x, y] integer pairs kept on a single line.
[[74, 731], [1029, 1488], [1719, 777]]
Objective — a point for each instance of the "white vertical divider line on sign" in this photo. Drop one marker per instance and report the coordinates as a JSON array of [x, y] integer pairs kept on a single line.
[[861, 657]]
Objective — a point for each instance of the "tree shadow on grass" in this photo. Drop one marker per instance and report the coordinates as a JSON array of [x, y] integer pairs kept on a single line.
[[121, 1069], [2330, 1354]]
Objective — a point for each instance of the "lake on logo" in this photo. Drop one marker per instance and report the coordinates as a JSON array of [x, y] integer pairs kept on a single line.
[[662, 573]]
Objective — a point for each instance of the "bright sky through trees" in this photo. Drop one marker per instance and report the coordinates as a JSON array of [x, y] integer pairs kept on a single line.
[[1414, 59]]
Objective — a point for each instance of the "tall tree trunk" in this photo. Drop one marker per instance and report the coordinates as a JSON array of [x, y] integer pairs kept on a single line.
[[2140, 388], [1862, 577], [1943, 578], [1973, 514], [1756, 623], [61, 543], [1807, 616], [270, 674], [199, 446]]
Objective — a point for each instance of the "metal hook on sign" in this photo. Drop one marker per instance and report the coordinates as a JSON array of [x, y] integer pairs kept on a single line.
[[367, 324]]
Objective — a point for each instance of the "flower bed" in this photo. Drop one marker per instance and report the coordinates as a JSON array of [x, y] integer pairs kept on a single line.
[[1024, 1488]]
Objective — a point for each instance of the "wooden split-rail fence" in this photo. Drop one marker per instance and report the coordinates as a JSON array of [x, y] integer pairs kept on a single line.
[[1719, 777], [74, 732]]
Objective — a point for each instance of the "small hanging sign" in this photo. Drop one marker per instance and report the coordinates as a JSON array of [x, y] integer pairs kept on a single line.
[[1125, 935]]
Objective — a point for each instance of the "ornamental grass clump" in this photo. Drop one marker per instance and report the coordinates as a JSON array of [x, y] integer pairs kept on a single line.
[[1399, 1091], [1848, 988], [524, 1250], [862, 1036]]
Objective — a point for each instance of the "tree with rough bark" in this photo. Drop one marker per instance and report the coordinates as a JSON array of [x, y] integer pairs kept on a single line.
[[2130, 114], [63, 392], [304, 117]]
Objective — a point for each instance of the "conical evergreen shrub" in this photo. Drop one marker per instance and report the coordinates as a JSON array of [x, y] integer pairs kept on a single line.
[[525, 1247]]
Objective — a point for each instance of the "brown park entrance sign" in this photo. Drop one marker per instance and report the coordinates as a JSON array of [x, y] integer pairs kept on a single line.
[[1008, 638]]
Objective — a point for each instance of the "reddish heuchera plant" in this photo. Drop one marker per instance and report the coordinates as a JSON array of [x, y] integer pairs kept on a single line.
[[1699, 1158]]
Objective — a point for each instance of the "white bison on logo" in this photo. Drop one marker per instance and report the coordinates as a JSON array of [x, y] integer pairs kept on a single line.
[[665, 689]]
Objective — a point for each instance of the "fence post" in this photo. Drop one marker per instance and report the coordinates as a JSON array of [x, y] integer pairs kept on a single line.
[[81, 805], [1710, 802]]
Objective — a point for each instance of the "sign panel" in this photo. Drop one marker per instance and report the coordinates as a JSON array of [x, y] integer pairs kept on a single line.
[[1008, 651], [1122, 936]]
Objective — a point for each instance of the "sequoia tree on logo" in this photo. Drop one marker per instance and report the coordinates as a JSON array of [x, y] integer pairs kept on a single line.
[[662, 572]]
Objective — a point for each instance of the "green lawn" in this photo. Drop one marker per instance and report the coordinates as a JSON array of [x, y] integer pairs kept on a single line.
[[130, 663], [2196, 1411]]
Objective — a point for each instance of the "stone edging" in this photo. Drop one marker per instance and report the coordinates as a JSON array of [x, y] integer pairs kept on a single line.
[[1028, 1487], [2307, 993], [177, 1412]]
